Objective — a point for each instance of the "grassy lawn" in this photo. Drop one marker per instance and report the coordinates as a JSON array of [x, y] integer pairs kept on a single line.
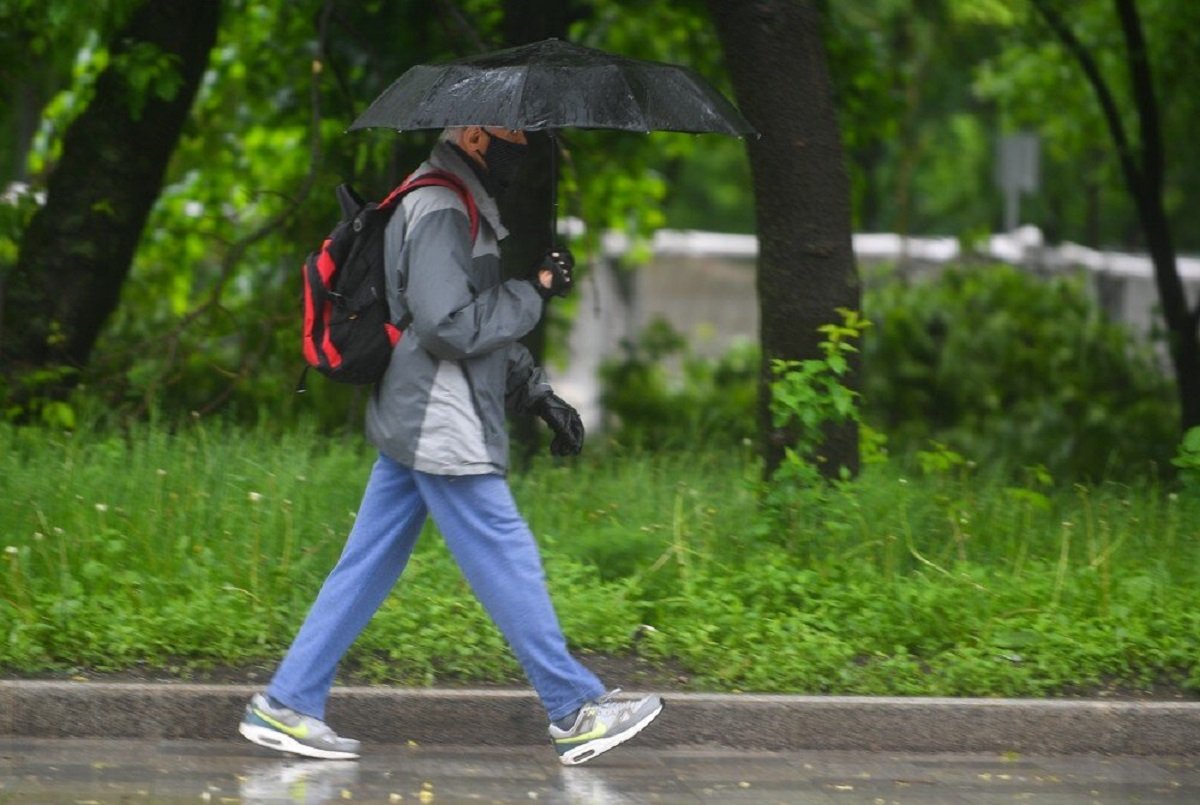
[[204, 548]]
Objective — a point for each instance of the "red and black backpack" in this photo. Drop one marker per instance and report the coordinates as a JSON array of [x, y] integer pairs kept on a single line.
[[348, 332]]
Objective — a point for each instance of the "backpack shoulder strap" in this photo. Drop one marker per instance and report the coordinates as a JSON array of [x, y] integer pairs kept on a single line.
[[437, 178]]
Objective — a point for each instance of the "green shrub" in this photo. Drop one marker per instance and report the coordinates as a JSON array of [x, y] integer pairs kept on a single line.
[[1188, 459], [807, 397], [1001, 366], [1006, 367], [649, 406]]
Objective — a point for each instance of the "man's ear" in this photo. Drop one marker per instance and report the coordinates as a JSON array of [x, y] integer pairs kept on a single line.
[[473, 140]]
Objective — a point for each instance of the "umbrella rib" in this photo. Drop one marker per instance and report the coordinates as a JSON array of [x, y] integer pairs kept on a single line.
[[517, 119], [633, 98]]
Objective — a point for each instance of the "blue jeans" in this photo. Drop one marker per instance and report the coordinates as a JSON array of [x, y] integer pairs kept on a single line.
[[494, 548]]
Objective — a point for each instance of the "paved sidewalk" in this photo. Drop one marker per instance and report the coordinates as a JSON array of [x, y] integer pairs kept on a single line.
[[129, 771], [738, 721]]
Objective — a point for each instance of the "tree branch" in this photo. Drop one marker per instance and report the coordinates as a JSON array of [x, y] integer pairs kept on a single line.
[[241, 246], [1145, 186], [1143, 95], [1108, 104], [237, 250], [453, 18], [374, 57]]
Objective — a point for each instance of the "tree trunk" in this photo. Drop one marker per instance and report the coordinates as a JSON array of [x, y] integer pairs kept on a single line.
[[76, 252], [1146, 186], [29, 97], [527, 209], [1143, 170], [806, 266], [1183, 325]]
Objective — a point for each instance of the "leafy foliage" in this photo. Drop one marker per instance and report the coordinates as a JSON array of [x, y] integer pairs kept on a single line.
[[1034, 83], [1007, 367], [207, 320], [208, 317], [669, 179], [909, 120], [1188, 458], [647, 405], [808, 396]]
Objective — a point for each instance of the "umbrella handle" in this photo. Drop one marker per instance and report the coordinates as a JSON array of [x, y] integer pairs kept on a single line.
[[553, 188]]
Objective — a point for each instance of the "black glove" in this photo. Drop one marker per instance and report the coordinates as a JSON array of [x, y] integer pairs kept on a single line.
[[564, 421], [560, 263]]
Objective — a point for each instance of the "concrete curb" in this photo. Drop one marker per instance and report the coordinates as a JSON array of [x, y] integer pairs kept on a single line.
[[47, 709]]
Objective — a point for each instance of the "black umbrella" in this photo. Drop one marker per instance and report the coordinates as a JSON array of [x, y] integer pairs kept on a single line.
[[551, 85]]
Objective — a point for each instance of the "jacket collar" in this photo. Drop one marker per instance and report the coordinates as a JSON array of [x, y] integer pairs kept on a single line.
[[446, 158]]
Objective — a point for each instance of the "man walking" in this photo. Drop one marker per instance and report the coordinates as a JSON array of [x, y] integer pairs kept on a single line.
[[438, 419]]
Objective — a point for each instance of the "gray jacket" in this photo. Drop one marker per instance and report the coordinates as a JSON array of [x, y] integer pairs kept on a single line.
[[440, 407]]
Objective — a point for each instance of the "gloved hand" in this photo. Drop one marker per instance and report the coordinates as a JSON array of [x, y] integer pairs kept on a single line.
[[564, 421], [559, 264]]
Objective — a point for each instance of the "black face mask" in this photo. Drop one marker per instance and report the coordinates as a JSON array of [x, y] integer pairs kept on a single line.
[[503, 160]]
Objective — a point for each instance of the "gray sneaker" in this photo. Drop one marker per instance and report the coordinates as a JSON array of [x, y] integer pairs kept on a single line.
[[284, 729], [602, 725]]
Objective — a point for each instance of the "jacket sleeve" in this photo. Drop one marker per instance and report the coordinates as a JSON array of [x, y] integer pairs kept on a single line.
[[452, 319], [526, 381]]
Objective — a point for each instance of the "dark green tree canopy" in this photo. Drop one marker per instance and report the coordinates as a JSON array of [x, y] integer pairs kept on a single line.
[[206, 311]]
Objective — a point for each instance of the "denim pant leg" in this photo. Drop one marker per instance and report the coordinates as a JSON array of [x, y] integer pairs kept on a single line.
[[380, 543], [491, 542]]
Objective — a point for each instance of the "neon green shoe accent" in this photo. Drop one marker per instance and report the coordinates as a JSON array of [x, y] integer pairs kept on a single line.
[[598, 732], [300, 731]]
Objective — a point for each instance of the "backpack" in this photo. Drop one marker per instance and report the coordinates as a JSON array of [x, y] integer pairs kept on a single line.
[[348, 332]]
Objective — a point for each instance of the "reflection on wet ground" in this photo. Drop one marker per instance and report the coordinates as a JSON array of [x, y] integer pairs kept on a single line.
[[82, 772]]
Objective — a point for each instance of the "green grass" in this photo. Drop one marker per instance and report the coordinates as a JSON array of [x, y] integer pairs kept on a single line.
[[205, 548]]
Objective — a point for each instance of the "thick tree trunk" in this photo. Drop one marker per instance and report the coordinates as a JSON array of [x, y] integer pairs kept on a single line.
[[806, 267], [76, 252]]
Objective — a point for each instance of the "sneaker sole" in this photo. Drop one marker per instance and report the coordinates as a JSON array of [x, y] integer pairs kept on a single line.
[[593, 749], [274, 739]]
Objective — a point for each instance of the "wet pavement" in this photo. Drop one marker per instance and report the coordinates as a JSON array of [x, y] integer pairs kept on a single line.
[[87, 771]]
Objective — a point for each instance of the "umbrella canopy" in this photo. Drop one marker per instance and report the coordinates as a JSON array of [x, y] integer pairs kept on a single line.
[[550, 85]]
